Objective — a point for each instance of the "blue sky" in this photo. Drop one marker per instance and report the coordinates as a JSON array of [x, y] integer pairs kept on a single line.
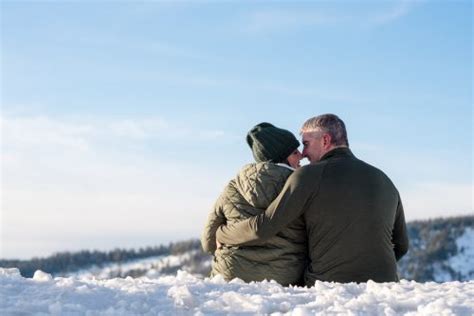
[[122, 121]]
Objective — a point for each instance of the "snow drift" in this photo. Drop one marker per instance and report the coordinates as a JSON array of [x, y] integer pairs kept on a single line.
[[184, 293]]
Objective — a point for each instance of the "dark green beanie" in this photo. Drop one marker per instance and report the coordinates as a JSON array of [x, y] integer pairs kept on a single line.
[[270, 143]]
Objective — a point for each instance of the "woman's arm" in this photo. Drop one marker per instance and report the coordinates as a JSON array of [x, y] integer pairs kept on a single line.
[[215, 219]]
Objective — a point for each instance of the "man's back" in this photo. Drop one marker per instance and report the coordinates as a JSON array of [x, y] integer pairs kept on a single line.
[[350, 219]]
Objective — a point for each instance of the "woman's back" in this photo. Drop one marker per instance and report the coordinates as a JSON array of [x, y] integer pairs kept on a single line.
[[282, 257]]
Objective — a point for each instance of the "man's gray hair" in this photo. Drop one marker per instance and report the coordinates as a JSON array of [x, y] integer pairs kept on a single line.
[[328, 123]]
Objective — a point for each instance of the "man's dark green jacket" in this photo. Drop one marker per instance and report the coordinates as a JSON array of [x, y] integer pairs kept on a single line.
[[354, 220]]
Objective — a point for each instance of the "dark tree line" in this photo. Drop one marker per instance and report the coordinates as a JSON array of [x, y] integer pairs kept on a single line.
[[63, 262]]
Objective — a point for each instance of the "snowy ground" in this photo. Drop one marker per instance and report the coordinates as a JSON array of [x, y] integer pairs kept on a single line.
[[186, 294]]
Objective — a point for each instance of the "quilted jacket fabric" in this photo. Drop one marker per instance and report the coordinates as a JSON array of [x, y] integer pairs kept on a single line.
[[281, 258]]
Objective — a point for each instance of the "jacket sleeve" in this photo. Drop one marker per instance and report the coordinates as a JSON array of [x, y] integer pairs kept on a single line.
[[399, 233], [289, 205], [215, 219]]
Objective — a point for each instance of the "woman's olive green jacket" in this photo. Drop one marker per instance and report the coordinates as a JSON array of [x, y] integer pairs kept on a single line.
[[281, 258]]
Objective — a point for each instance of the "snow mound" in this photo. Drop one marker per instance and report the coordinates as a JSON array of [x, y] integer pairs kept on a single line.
[[41, 276], [187, 294]]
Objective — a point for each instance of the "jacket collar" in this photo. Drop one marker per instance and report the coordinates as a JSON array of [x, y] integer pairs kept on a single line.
[[338, 152], [284, 165]]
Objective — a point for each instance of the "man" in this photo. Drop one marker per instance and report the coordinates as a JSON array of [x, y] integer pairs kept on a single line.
[[353, 214]]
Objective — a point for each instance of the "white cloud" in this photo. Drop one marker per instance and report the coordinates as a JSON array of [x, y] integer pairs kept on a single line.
[[399, 10], [41, 130], [143, 128], [81, 133], [278, 19], [274, 20], [266, 20]]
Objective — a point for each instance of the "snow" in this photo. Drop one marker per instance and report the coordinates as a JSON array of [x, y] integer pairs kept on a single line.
[[463, 261], [41, 276], [186, 294]]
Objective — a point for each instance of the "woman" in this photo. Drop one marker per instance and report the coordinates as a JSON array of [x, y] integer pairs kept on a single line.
[[281, 258]]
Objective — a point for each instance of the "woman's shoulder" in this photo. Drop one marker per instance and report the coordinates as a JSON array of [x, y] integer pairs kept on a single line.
[[261, 182]]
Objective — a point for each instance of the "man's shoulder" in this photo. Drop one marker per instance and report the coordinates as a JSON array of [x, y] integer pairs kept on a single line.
[[377, 172], [371, 167]]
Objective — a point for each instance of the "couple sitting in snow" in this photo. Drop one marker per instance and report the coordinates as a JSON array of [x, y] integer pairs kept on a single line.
[[336, 219]]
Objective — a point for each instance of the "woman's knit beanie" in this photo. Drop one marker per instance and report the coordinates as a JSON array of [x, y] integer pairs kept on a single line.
[[270, 143]]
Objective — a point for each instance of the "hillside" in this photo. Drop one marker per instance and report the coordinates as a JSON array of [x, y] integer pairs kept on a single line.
[[440, 250]]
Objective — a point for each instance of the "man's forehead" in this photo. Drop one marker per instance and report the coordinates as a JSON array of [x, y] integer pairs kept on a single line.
[[310, 134]]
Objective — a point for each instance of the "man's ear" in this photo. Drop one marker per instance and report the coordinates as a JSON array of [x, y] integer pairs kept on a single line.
[[326, 141]]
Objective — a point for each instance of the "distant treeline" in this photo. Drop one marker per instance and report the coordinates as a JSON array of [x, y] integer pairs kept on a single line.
[[432, 243], [63, 262]]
